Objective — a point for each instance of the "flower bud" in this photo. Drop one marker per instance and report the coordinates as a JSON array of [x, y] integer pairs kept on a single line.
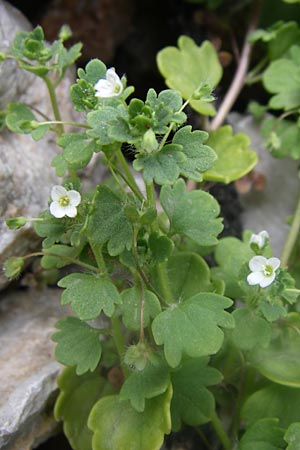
[[14, 223], [13, 266], [149, 142]]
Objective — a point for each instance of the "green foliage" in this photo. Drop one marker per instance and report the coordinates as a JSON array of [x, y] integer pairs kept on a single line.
[[264, 434], [133, 300], [89, 295], [292, 436], [234, 159], [189, 67], [108, 222], [13, 266], [77, 396], [250, 330], [144, 430], [77, 345], [282, 137], [201, 223], [78, 150], [192, 402], [192, 327]]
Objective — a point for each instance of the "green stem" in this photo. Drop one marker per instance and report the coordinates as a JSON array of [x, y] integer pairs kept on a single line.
[[164, 282], [130, 178], [120, 342], [64, 258], [66, 122], [97, 250], [54, 103], [292, 237], [219, 429]]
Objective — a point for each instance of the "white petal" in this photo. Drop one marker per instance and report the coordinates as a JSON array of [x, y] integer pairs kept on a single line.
[[56, 210], [255, 278], [70, 211], [256, 263], [255, 239], [111, 76], [267, 281], [57, 192], [274, 262], [264, 234], [74, 197]]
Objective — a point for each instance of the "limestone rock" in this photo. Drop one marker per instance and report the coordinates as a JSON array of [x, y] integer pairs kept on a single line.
[[28, 370], [269, 208]]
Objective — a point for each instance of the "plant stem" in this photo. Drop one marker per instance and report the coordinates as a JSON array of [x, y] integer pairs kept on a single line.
[[64, 257], [129, 177], [66, 122], [219, 429], [291, 238], [164, 282], [119, 341], [97, 250], [54, 103], [240, 74]]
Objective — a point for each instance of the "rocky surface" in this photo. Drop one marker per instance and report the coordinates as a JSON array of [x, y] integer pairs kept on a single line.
[[28, 371], [268, 207]]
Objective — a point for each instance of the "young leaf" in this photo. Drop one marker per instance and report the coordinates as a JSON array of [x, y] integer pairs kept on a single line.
[[282, 79], [192, 402], [78, 394], [234, 159], [280, 361], [18, 118], [192, 327], [193, 214], [250, 330], [102, 121], [292, 436], [108, 222], [199, 157], [144, 384], [273, 401], [89, 295], [131, 307], [265, 434], [77, 345], [188, 67], [115, 423], [162, 167], [94, 70]]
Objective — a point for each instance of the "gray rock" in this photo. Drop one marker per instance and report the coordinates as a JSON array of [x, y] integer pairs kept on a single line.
[[268, 209], [28, 371], [26, 176]]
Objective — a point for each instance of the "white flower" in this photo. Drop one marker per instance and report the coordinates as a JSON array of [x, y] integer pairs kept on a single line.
[[263, 270], [64, 202], [111, 86], [259, 239]]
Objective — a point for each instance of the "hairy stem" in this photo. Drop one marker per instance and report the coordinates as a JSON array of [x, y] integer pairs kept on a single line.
[[292, 237], [240, 75], [220, 431], [119, 341], [54, 104]]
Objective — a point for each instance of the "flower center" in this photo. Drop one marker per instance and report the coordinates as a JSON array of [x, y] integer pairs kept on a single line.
[[268, 271], [64, 200]]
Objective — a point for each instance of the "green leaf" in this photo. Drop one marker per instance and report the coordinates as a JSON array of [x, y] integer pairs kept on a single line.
[[286, 35], [250, 330], [265, 434], [161, 248], [154, 380], [231, 254], [89, 295], [51, 261], [94, 70], [192, 327], [162, 167], [67, 57], [103, 120], [280, 361], [199, 157], [193, 214], [13, 266], [292, 436], [39, 132], [131, 307], [77, 345], [108, 223], [50, 227], [192, 402], [188, 67], [18, 118], [288, 137], [188, 275], [77, 396], [282, 78], [234, 159], [116, 424], [78, 149], [273, 401]]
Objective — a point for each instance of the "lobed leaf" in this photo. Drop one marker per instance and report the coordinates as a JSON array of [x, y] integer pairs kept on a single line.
[[131, 307]]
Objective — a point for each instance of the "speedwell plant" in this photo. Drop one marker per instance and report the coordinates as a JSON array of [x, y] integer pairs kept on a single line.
[[157, 339]]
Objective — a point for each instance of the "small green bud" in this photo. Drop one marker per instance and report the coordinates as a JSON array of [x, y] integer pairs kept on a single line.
[[274, 141], [13, 266], [14, 223], [65, 33], [149, 142], [137, 356], [204, 93], [3, 56]]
